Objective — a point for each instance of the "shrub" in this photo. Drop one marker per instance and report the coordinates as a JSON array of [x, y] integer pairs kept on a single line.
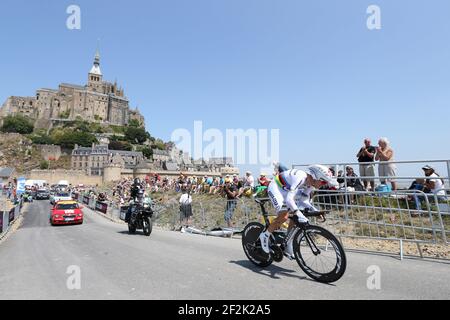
[[17, 124], [136, 135], [120, 145], [41, 138], [68, 138], [44, 165]]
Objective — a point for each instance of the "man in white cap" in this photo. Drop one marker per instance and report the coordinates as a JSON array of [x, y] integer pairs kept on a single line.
[[434, 185], [249, 180]]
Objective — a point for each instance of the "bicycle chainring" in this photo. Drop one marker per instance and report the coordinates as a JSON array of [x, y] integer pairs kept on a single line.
[[277, 253]]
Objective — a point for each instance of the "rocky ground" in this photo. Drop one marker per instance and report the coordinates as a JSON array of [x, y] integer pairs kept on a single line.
[[17, 151]]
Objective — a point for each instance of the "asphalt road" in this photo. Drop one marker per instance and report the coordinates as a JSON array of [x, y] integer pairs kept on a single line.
[[114, 265]]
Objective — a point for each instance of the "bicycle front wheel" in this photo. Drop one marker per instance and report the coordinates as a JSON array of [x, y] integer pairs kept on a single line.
[[320, 254]]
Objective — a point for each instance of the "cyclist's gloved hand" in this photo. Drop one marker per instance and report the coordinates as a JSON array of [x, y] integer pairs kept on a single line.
[[301, 217]]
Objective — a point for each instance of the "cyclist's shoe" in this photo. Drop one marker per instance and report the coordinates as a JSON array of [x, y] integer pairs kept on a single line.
[[264, 238]]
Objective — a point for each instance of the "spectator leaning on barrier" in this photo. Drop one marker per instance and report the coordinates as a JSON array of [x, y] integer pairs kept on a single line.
[[386, 154], [249, 180], [353, 183], [232, 192], [434, 185], [248, 185], [367, 154]]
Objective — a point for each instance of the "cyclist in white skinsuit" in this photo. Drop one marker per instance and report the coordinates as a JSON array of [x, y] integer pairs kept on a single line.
[[283, 190]]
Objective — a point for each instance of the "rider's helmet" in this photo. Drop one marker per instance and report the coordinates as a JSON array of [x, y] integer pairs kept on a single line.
[[321, 173], [137, 182]]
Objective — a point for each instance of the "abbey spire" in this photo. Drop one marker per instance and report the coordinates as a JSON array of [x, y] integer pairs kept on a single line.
[[95, 75]]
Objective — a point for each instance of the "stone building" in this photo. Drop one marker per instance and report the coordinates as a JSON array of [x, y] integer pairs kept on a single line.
[[97, 101], [160, 155], [94, 159]]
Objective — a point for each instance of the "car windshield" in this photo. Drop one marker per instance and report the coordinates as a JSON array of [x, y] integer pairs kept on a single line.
[[63, 194], [67, 206]]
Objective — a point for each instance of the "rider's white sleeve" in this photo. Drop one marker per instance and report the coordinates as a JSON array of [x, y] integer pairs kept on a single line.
[[290, 201], [304, 200], [306, 204]]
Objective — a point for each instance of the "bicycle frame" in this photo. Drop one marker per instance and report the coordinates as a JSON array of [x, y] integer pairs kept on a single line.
[[299, 225], [281, 237]]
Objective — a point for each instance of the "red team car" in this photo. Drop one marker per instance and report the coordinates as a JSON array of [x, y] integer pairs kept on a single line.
[[66, 212]]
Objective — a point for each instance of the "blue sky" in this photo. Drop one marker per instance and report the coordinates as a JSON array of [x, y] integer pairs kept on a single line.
[[309, 68]]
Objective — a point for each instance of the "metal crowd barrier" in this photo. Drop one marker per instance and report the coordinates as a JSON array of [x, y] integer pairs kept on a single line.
[[376, 215], [442, 166], [208, 215], [443, 209], [7, 217]]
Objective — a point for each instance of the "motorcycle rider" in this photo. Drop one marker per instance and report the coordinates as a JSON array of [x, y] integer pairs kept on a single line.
[[136, 191]]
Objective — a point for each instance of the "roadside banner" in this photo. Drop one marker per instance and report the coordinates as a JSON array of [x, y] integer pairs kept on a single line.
[[102, 207], [21, 185], [11, 215]]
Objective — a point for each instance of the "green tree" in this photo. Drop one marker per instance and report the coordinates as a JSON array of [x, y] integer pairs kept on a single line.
[[83, 126], [136, 135], [120, 145], [69, 138], [159, 144], [17, 124], [134, 123], [41, 139], [117, 129], [147, 152]]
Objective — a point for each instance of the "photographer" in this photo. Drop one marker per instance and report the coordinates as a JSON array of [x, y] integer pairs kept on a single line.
[[231, 191], [366, 157]]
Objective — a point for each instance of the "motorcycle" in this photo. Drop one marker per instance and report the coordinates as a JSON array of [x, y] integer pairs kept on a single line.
[[141, 218]]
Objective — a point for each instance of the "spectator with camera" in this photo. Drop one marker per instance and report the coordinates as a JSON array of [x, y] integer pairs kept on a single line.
[[366, 156], [232, 192]]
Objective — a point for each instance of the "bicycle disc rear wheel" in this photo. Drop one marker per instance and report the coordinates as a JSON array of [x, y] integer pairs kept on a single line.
[[252, 245], [320, 254]]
